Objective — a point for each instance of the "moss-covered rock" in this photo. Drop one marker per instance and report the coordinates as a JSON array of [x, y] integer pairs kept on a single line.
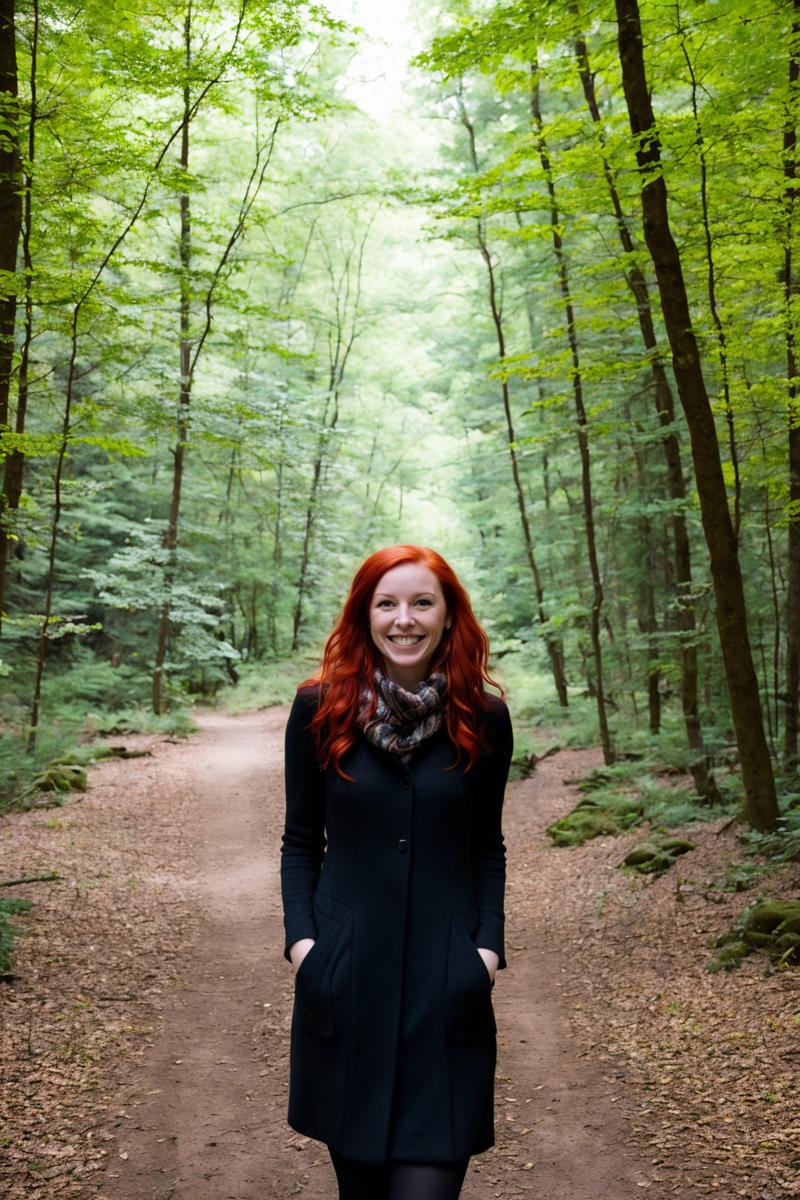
[[592, 818], [729, 956], [675, 845], [656, 855], [771, 927], [766, 916], [54, 784], [61, 777], [641, 854]]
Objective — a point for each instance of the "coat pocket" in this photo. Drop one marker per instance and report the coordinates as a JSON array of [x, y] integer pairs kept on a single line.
[[314, 978], [469, 984]]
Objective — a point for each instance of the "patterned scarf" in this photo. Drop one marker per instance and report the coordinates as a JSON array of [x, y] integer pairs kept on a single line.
[[402, 719]]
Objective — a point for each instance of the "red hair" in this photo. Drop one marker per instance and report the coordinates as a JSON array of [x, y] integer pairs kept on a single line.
[[350, 657]]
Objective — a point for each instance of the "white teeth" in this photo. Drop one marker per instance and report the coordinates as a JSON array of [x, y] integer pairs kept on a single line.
[[406, 641]]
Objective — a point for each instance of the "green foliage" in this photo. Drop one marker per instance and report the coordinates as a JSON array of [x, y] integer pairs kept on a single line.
[[9, 906], [741, 876], [138, 719], [18, 769], [625, 795], [783, 845], [266, 683]]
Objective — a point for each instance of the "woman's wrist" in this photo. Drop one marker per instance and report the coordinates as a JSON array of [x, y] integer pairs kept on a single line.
[[299, 949], [491, 958]]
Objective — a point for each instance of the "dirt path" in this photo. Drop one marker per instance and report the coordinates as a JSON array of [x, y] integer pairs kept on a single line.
[[144, 1040], [204, 1114]]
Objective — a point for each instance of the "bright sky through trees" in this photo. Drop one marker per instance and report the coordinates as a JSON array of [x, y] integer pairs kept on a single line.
[[401, 262], [379, 73]]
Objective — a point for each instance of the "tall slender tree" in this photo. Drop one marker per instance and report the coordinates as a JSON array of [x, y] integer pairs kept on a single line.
[[10, 226], [665, 408], [582, 420], [791, 292], [343, 327], [190, 344], [555, 648], [757, 775]]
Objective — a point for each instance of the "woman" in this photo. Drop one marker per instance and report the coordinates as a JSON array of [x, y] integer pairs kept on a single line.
[[393, 878]]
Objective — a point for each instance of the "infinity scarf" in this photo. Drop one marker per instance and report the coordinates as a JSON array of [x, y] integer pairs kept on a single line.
[[402, 719]]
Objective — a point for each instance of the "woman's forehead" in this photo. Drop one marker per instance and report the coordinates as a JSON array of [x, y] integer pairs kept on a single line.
[[408, 577]]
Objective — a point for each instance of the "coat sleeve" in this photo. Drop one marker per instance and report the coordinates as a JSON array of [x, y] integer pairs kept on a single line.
[[303, 841], [488, 845]]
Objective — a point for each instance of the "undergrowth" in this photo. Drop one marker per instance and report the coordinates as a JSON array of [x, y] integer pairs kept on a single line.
[[628, 794], [82, 700], [8, 907], [267, 683]]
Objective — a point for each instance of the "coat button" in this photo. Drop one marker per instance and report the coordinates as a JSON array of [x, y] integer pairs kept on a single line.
[[401, 845]]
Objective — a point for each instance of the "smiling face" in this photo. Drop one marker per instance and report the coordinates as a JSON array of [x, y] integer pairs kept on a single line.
[[407, 617]]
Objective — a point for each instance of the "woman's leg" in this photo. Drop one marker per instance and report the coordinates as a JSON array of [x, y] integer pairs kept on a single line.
[[426, 1181], [357, 1180]]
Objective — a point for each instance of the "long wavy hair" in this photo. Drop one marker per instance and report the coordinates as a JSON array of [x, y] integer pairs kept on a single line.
[[350, 657]]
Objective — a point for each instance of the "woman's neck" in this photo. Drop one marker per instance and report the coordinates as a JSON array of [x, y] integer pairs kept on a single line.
[[405, 679]]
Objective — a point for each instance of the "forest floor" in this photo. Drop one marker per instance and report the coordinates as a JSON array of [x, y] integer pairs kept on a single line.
[[144, 1043]]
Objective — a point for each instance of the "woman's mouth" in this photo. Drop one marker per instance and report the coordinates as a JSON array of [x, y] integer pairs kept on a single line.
[[405, 640]]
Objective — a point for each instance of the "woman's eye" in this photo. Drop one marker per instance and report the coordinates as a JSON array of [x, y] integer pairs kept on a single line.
[[425, 603]]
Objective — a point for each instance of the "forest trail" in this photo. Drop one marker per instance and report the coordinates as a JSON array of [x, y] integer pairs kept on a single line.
[[202, 1117]]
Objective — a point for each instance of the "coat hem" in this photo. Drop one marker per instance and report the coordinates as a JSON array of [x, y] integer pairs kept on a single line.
[[382, 1162]]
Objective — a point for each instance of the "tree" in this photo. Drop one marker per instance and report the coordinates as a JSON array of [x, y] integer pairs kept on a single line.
[[791, 289], [720, 536], [662, 396], [10, 225], [555, 648]]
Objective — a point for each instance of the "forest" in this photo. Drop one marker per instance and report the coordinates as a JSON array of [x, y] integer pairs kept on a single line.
[[283, 282], [543, 316]]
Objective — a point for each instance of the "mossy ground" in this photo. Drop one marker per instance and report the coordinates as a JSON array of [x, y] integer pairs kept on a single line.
[[770, 927], [82, 700], [621, 797]]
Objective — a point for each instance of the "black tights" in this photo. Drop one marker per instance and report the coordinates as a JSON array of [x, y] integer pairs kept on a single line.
[[397, 1180]]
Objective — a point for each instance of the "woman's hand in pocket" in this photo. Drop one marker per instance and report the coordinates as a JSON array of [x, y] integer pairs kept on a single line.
[[491, 960], [298, 950]]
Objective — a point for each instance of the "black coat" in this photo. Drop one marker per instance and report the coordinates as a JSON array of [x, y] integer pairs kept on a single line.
[[399, 876]]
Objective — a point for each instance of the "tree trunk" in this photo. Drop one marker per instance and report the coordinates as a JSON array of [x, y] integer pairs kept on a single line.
[[703, 778], [554, 645], [340, 344], [757, 776], [311, 516], [647, 619], [191, 349], [10, 225], [790, 289], [582, 420], [711, 289], [555, 649], [10, 199], [184, 390]]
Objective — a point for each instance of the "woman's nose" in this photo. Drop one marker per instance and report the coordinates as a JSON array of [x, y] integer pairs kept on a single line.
[[403, 617]]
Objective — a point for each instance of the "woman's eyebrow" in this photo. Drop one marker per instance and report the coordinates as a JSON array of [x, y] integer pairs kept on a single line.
[[416, 595]]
